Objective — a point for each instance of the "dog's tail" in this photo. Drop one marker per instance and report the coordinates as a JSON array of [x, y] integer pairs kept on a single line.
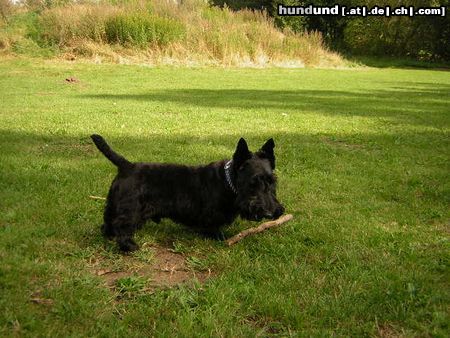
[[120, 161]]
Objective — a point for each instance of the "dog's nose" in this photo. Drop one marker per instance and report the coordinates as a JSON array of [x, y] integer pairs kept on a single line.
[[278, 212]]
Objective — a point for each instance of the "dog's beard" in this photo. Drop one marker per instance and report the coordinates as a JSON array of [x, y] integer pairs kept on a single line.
[[253, 209]]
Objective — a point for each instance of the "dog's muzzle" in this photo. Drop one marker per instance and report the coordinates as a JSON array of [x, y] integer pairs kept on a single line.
[[259, 213]]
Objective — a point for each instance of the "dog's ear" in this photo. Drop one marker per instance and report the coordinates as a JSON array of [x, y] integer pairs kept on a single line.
[[241, 154], [266, 151]]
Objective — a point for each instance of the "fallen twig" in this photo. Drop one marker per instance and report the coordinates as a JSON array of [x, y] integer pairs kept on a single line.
[[97, 198], [260, 228]]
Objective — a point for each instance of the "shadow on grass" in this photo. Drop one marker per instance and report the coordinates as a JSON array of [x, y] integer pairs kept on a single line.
[[55, 174], [413, 103], [400, 63]]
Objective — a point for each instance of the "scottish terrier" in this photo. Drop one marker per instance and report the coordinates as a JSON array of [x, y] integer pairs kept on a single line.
[[204, 198]]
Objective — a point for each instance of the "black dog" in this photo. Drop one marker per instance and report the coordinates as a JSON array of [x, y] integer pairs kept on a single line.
[[202, 197]]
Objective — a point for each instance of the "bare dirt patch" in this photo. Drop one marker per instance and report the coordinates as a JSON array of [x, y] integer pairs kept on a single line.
[[165, 269], [72, 80], [388, 331]]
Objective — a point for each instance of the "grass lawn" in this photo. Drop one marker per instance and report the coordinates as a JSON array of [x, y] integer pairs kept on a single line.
[[362, 161]]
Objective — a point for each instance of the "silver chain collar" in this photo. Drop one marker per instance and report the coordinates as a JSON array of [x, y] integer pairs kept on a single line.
[[227, 168]]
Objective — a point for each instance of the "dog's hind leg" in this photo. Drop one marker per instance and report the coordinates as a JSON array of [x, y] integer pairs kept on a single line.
[[107, 231]]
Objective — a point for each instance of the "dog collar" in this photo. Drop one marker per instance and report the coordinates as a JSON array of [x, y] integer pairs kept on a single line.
[[227, 168]]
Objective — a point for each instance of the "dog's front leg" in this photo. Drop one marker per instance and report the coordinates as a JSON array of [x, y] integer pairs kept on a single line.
[[124, 231]]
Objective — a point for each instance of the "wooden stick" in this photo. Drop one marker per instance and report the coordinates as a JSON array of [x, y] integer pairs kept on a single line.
[[260, 228], [97, 198]]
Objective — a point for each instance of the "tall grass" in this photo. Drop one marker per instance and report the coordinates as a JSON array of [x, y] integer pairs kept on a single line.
[[142, 30], [65, 25], [191, 32]]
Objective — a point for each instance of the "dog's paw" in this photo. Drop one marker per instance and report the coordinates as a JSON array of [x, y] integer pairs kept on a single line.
[[128, 245], [215, 235]]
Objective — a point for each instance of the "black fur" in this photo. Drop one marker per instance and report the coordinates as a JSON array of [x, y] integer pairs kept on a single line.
[[197, 196]]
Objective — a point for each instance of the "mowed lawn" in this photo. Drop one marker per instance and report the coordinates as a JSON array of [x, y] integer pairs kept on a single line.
[[363, 165]]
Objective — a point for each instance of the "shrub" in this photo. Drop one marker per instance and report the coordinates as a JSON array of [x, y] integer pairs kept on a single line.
[[61, 25], [141, 30]]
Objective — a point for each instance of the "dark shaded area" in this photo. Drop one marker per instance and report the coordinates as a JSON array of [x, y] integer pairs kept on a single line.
[[423, 105], [58, 163], [395, 62]]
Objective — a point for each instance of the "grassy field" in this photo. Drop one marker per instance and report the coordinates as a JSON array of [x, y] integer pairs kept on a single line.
[[363, 164]]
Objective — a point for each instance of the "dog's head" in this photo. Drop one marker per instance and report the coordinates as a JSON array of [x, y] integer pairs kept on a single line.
[[255, 182]]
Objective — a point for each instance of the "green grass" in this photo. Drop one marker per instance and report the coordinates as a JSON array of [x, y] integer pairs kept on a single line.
[[363, 164]]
